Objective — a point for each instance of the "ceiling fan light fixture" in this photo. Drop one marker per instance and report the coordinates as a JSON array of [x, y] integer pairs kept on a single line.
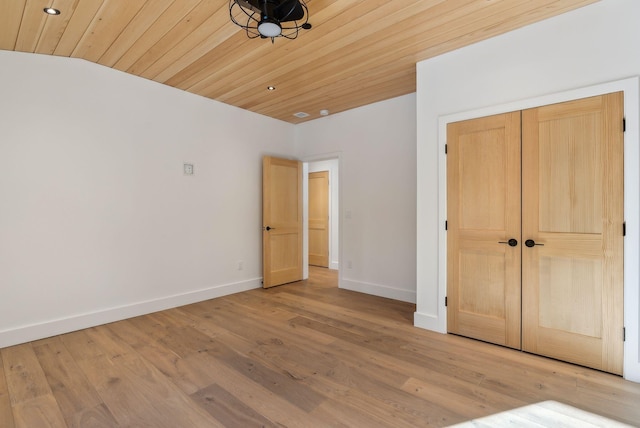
[[269, 27], [269, 19]]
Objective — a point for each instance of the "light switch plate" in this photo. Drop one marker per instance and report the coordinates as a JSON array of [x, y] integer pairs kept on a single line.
[[188, 169]]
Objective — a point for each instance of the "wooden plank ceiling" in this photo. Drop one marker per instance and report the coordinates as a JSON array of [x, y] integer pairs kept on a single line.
[[357, 52]]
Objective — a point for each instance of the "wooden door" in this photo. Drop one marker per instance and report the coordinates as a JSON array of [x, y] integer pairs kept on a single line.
[[483, 203], [572, 279], [282, 221], [319, 218]]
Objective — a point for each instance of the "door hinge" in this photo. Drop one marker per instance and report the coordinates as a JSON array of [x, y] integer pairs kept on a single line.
[[624, 334], [624, 124], [445, 149], [446, 302], [624, 228], [446, 225]]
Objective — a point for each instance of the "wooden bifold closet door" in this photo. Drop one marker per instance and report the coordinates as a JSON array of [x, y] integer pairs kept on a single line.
[[535, 230]]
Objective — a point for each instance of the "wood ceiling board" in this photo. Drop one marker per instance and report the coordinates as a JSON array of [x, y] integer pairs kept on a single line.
[[146, 16], [163, 25], [33, 20], [357, 51], [10, 18], [265, 61], [273, 101], [55, 26], [489, 24], [81, 17], [353, 60], [337, 63], [112, 18], [338, 32], [189, 23], [217, 64], [203, 39], [370, 89], [388, 84]]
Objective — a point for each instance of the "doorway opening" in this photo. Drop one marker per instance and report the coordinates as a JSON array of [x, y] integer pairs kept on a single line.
[[318, 173]]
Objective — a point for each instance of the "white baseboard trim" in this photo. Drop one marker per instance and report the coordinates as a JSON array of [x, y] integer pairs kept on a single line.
[[333, 265], [428, 322], [378, 290], [18, 335]]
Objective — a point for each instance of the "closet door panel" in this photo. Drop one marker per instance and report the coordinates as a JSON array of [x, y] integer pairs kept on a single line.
[[572, 186], [483, 204]]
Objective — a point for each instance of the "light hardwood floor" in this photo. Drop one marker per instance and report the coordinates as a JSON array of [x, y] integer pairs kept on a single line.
[[299, 355]]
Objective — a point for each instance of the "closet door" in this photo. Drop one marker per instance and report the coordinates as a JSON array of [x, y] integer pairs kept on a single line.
[[572, 216], [483, 204]]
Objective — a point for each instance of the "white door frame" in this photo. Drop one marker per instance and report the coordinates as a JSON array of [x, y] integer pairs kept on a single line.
[[305, 213]]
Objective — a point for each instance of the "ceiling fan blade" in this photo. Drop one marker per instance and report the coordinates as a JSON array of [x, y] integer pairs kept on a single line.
[[252, 5], [289, 10]]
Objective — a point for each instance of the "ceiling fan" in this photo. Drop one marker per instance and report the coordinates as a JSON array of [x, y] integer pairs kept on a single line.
[[270, 18]]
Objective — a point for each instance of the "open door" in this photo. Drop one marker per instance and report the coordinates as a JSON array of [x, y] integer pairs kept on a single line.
[[281, 221]]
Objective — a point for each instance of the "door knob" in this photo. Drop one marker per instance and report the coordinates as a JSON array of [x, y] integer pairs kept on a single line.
[[268, 228], [530, 243], [511, 242]]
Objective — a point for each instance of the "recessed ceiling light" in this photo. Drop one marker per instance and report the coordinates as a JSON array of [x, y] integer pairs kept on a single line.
[[271, 88], [301, 115], [324, 112], [51, 11]]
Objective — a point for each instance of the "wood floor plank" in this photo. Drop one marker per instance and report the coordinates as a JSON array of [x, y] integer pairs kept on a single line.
[[229, 410], [32, 401], [135, 392], [468, 407], [408, 351], [41, 412], [255, 395], [187, 343], [6, 414], [96, 417], [298, 355], [186, 376], [278, 383], [274, 320], [24, 375], [77, 399], [128, 405], [174, 406], [308, 366]]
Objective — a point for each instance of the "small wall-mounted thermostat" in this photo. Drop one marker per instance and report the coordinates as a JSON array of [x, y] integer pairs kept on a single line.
[[188, 169]]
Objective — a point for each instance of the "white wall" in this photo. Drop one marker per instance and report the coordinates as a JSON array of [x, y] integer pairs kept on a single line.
[[331, 165], [586, 47], [97, 220], [376, 147]]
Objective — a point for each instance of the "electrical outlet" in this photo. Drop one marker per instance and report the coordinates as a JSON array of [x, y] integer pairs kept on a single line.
[[241, 265], [188, 169], [349, 264]]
